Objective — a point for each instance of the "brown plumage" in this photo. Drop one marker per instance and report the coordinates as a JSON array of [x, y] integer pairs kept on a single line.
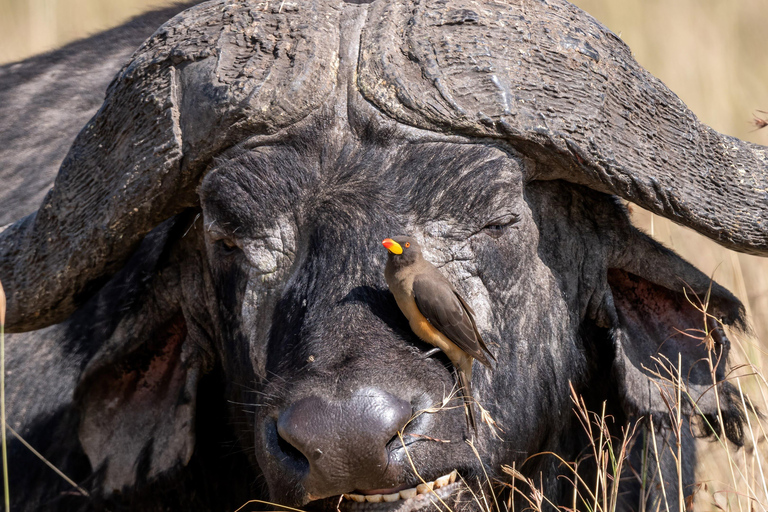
[[436, 312]]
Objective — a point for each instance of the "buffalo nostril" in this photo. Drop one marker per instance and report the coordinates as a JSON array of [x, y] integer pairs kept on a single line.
[[290, 451], [288, 456], [344, 441]]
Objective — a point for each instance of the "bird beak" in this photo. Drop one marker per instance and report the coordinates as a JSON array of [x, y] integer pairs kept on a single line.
[[392, 246]]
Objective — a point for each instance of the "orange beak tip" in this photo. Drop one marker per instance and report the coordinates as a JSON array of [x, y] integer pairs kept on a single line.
[[392, 246]]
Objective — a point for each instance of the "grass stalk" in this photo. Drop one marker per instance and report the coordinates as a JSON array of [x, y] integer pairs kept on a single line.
[[574, 501], [754, 441], [511, 501], [418, 475], [47, 462], [644, 475], [722, 427], [658, 463], [6, 491], [487, 478], [679, 461], [262, 502]]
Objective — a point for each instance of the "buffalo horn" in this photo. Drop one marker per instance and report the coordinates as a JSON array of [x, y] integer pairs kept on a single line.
[[564, 91]]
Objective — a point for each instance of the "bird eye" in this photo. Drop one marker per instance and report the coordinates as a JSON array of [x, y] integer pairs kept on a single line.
[[407, 244]]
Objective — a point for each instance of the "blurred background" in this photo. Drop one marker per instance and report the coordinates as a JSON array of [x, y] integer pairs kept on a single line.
[[712, 53], [28, 27]]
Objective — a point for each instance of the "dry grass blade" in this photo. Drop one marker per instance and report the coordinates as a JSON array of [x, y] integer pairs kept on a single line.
[[2, 305], [415, 471], [442, 406], [487, 479], [600, 495], [428, 438], [658, 464], [6, 491], [485, 417], [752, 436], [48, 463]]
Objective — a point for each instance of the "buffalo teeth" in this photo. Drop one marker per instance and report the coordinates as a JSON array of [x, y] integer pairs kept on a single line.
[[425, 488], [391, 497], [442, 481], [405, 494]]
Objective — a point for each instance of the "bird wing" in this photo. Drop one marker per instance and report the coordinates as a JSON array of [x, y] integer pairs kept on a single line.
[[448, 313], [471, 315]]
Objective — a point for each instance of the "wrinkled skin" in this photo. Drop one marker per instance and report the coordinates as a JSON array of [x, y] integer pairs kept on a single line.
[[335, 306], [249, 347]]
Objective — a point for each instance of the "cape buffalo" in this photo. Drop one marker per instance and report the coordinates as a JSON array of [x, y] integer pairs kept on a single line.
[[200, 301]]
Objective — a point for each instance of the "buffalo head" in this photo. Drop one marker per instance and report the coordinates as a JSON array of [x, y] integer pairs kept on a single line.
[[240, 175]]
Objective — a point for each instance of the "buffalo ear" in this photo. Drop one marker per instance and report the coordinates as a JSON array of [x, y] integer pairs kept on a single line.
[[137, 395], [138, 409], [656, 309]]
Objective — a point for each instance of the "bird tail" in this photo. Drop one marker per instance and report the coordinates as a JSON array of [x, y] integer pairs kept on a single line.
[[465, 384]]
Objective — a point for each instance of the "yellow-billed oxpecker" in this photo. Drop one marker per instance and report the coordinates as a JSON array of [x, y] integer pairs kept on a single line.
[[435, 311]]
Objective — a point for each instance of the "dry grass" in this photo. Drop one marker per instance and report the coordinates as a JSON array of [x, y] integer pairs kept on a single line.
[[710, 52], [747, 277], [727, 480], [739, 483], [2, 399]]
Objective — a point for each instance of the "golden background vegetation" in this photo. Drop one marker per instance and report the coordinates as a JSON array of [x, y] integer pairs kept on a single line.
[[711, 53]]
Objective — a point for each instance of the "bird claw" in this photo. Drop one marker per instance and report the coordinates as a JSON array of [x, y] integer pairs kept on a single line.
[[430, 353]]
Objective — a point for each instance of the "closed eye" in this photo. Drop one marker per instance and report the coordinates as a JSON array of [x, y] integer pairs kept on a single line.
[[498, 226]]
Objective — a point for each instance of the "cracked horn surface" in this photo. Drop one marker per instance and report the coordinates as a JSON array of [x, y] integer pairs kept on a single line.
[[209, 77]]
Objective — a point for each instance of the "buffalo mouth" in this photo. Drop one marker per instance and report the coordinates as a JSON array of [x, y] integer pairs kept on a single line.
[[437, 492]]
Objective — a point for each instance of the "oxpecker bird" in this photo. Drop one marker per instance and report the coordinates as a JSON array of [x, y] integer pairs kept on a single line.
[[436, 312]]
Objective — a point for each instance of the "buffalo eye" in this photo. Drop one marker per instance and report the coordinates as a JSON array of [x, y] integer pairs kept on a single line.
[[227, 246], [498, 227]]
